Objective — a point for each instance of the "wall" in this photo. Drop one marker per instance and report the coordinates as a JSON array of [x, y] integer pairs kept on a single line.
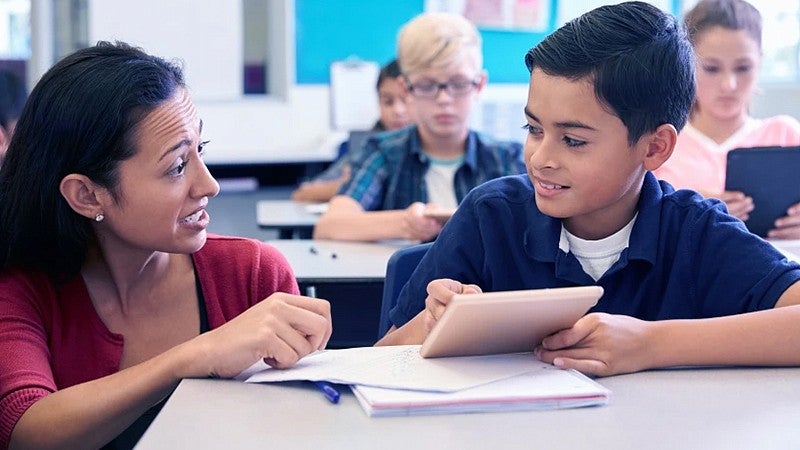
[[294, 125]]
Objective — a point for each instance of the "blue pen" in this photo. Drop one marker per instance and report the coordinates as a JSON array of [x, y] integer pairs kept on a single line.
[[330, 392]]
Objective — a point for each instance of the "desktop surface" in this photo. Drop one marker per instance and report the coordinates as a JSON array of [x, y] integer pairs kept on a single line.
[[714, 408]]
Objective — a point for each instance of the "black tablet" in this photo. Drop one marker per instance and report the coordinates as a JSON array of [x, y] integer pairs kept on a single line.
[[771, 176]]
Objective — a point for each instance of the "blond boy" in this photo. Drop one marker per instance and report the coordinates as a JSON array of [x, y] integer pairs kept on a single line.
[[433, 164]]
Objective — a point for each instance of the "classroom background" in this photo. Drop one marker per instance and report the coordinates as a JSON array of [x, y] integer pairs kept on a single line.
[[260, 70]]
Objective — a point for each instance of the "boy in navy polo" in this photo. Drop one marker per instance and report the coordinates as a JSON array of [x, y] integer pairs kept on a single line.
[[685, 283]]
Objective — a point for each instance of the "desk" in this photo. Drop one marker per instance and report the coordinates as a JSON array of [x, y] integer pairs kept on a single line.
[[292, 219], [735, 408], [349, 275], [789, 247]]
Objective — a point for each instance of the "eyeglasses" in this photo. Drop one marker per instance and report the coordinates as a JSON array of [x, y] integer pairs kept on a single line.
[[430, 89]]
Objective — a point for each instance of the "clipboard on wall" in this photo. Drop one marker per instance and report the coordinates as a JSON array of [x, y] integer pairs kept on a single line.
[[354, 99]]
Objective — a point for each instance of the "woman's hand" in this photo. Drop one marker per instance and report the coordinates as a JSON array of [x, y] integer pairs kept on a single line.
[[281, 329], [600, 344]]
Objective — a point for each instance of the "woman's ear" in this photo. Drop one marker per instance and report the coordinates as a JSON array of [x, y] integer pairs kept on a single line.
[[83, 195], [660, 146]]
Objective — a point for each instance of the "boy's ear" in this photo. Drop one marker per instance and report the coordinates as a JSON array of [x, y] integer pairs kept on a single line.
[[82, 195], [660, 145], [483, 78]]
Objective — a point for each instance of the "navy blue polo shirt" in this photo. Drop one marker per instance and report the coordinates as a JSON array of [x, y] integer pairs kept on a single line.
[[686, 259]]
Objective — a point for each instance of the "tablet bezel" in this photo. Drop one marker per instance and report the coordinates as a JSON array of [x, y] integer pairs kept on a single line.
[[506, 322], [769, 176]]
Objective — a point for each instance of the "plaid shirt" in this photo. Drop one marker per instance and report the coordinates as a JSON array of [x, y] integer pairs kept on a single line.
[[391, 171]]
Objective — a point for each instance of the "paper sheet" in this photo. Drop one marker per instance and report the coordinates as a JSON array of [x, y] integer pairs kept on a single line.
[[402, 367]]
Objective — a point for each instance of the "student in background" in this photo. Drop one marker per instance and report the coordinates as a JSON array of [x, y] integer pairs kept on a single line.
[[394, 114], [434, 163], [685, 283], [12, 99], [110, 290], [726, 36]]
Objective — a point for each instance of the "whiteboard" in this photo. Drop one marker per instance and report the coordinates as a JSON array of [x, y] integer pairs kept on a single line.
[[354, 98]]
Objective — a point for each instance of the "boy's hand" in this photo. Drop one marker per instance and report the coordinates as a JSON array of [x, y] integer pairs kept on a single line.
[[599, 344], [440, 292], [418, 227], [788, 226]]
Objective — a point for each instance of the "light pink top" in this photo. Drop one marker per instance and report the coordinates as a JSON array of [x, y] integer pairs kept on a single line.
[[699, 163]]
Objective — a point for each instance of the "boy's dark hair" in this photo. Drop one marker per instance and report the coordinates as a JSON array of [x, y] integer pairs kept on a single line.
[[390, 70], [12, 97], [81, 117], [637, 56], [730, 14]]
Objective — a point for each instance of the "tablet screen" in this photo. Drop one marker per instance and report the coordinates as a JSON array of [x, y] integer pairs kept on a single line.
[[506, 322]]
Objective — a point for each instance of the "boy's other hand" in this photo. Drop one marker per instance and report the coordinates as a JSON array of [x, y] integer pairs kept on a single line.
[[788, 226], [440, 292], [599, 344]]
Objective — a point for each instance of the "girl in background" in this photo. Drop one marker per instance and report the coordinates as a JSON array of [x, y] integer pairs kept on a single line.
[[726, 36]]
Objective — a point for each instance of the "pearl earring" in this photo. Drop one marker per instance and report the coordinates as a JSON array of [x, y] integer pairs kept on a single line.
[[99, 217]]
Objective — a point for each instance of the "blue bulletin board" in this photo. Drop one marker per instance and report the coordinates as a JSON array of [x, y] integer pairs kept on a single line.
[[328, 31], [335, 30]]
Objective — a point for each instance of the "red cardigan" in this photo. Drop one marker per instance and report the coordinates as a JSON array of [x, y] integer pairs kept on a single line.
[[51, 336]]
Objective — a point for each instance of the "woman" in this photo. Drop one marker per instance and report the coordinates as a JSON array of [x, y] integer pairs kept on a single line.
[[111, 292], [726, 36]]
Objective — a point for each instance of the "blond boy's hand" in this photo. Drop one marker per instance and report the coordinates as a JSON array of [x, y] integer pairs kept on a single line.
[[418, 227], [600, 344], [440, 292]]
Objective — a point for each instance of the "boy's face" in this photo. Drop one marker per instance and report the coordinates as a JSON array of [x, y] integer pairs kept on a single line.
[[578, 157], [393, 98], [445, 115]]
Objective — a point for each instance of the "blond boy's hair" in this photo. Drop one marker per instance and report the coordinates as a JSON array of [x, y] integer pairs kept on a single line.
[[437, 41]]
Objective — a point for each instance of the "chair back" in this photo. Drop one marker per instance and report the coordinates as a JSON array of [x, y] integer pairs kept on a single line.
[[398, 270]]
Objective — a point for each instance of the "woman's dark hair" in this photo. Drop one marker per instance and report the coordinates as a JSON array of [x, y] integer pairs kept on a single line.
[[390, 70], [81, 117], [730, 14], [638, 58]]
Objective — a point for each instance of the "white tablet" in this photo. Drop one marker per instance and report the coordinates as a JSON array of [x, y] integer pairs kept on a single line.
[[506, 322]]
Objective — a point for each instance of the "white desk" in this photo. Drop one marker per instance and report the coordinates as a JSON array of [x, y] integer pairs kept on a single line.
[[290, 218], [789, 247], [337, 261], [349, 275], [670, 409]]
